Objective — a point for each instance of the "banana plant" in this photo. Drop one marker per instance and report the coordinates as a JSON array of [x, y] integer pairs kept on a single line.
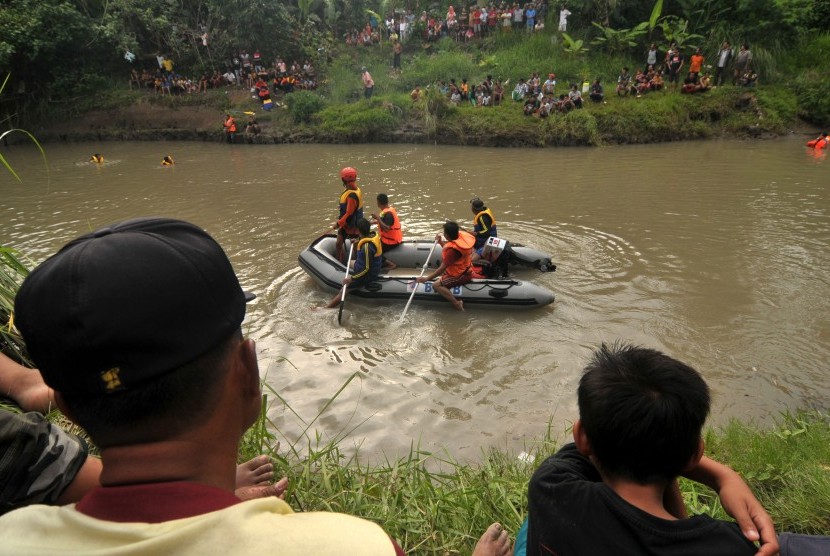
[[573, 46]]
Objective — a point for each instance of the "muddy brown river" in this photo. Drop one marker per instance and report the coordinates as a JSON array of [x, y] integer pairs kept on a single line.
[[716, 252]]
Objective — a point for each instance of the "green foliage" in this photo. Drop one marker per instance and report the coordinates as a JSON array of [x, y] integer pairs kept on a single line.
[[572, 46], [785, 466], [303, 105], [12, 272], [360, 121], [677, 30], [619, 41], [813, 100]]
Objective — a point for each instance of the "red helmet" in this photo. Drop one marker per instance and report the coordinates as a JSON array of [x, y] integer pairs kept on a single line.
[[348, 174]]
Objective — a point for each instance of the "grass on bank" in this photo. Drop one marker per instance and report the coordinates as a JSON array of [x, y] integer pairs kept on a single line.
[[434, 504]]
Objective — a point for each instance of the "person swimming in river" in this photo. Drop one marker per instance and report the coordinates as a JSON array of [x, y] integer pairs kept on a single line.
[[167, 160], [97, 158]]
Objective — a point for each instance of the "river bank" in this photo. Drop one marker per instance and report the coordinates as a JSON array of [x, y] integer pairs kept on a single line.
[[658, 117]]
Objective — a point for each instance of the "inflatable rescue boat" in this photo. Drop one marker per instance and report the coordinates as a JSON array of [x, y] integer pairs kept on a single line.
[[319, 261]]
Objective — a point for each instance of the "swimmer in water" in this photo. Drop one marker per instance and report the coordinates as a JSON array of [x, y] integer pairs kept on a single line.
[[167, 161], [97, 158]]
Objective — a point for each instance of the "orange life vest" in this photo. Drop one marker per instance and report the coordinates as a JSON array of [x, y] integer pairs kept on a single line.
[[230, 125], [464, 245], [393, 235]]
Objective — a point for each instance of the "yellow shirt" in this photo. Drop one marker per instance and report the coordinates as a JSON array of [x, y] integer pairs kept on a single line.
[[262, 526]]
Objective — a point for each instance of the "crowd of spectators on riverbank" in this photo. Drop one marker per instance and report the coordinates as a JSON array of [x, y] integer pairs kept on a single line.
[[468, 23], [243, 70]]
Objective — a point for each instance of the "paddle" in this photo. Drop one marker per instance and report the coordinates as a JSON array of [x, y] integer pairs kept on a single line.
[[423, 269], [343, 293]]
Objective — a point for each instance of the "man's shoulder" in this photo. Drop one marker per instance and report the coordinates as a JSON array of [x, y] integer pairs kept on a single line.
[[265, 524]]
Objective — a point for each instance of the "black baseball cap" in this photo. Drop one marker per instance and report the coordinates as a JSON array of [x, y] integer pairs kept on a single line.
[[126, 303]]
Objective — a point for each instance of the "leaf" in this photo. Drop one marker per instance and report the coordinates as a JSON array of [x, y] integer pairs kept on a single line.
[[655, 14]]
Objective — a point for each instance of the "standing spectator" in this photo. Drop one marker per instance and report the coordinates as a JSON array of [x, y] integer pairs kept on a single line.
[[563, 19], [518, 16], [397, 48], [549, 86], [230, 128], [695, 64], [530, 17], [651, 56], [237, 67], [674, 62], [368, 83], [724, 58], [743, 62], [168, 66]]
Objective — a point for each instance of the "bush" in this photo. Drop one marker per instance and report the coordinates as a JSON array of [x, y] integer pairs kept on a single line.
[[362, 120], [303, 105]]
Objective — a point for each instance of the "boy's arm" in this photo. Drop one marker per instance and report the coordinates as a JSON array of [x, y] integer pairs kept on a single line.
[[739, 502]]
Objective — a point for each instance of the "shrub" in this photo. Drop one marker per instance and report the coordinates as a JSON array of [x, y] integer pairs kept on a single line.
[[303, 105]]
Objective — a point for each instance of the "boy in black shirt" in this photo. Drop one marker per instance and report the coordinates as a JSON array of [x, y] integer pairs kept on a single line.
[[614, 491]]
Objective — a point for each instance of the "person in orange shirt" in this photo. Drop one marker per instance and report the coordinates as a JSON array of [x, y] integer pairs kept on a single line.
[[695, 64], [456, 267], [230, 128]]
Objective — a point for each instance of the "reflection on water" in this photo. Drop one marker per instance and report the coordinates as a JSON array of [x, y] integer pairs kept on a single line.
[[716, 252]]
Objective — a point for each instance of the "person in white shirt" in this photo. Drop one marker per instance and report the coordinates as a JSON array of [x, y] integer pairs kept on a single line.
[[563, 19]]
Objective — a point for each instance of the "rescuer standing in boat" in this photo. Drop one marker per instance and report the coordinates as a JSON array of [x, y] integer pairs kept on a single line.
[[351, 210]]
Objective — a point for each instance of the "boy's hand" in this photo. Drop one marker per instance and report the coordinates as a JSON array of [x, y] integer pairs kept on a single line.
[[739, 502], [755, 523]]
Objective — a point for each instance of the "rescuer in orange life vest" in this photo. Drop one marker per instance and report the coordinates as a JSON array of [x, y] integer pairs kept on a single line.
[[230, 128], [456, 262], [389, 227], [351, 210]]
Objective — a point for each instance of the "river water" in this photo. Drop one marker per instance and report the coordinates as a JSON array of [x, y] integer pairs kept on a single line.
[[716, 252]]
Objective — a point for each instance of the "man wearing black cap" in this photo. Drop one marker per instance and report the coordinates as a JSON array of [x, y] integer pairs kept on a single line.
[[137, 328]]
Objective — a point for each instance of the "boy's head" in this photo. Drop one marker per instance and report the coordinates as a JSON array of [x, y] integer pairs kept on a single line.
[[383, 199], [364, 227], [642, 412], [451, 230]]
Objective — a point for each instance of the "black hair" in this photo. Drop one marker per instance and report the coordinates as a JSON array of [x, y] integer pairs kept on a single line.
[[159, 408], [383, 199], [364, 227], [477, 203], [451, 230], [642, 412]]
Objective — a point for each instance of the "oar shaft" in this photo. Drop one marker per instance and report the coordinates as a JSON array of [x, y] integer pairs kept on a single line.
[[414, 289]]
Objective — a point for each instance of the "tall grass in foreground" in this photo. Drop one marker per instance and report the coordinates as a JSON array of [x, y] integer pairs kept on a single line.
[[435, 504]]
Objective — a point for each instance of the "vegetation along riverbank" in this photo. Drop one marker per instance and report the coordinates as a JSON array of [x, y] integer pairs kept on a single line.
[[67, 89]]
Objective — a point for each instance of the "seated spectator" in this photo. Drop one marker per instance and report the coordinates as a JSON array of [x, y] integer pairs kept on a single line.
[[704, 83], [564, 104], [748, 79], [529, 107], [688, 86], [252, 129], [575, 95], [415, 95], [624, 83], [464, 89], [520, 90], [498, 93], [168, 418], [455, 95], [596, 94], [656, 82], [43, 464], [549, 85], [641, 414]]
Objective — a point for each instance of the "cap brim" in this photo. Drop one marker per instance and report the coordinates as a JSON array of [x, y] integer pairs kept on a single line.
[[248, 296]]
